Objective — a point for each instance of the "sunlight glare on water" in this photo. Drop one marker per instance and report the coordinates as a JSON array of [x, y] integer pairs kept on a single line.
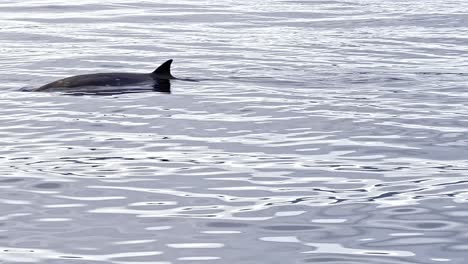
[[319, 132]]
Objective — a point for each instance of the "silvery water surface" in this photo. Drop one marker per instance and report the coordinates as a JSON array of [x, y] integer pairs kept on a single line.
[[320, 132]]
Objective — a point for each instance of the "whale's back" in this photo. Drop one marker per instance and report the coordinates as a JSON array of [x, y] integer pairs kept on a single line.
[[98, 79], [159, 80]]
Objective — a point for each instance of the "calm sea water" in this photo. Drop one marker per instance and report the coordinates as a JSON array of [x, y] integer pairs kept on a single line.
[[321, 132]]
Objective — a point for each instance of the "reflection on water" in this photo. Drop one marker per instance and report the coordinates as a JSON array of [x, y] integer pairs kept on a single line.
[[320, 132]]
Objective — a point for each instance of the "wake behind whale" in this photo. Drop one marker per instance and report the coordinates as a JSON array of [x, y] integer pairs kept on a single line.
[[114, 82]]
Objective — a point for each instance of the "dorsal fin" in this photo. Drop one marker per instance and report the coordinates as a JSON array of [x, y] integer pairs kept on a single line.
[[164, 71]]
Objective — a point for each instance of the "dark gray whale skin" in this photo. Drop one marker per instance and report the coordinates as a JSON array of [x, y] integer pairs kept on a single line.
[[159, 79]]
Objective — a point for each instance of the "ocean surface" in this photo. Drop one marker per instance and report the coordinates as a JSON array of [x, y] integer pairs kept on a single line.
[[320, 131]]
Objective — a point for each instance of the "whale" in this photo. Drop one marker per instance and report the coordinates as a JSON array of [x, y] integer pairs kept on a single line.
[[114, 82]]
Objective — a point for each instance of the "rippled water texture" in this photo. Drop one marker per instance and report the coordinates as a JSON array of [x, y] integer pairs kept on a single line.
[[320, 132]]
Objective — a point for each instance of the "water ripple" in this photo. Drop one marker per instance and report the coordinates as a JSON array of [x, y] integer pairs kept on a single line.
[[319, 132]]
